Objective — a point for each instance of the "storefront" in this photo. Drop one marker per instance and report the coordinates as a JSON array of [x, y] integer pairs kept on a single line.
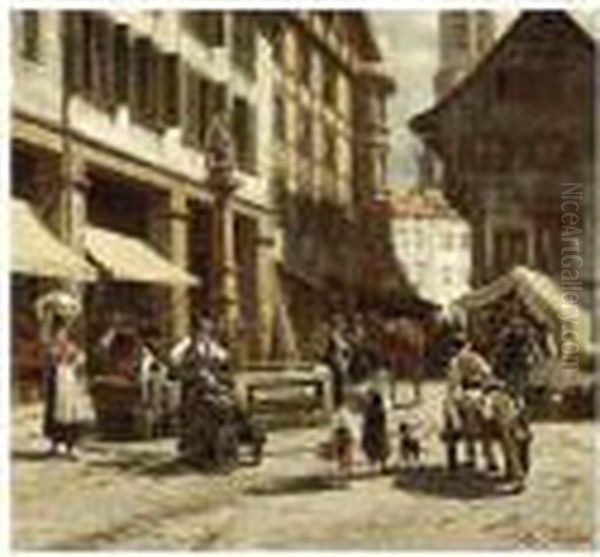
[[39, 262]]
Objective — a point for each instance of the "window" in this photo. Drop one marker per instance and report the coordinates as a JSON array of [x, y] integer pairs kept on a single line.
[[122, 64], [91, 58], [330, 150], [330, 82], [169, 85], [244, 133], [208, 27], [448, 241], [305, 131], [304, 62], [144, 68], [279, 118], [30, 46], [203, 99], [244, 43]]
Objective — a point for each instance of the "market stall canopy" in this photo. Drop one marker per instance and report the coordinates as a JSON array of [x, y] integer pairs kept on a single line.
[[37, 251], [128, 258], [541, 295]]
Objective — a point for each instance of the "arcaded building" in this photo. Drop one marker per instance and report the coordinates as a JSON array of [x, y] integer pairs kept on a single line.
[[110, 114]]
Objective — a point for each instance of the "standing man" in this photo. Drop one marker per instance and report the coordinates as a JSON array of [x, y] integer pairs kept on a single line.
[[337, 357], [469, 374], [515, 355]]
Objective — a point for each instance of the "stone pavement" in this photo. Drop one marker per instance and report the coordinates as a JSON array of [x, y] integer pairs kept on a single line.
[[135, 496]]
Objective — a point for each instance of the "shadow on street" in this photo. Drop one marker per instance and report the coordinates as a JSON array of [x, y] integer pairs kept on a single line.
[[437, 481]]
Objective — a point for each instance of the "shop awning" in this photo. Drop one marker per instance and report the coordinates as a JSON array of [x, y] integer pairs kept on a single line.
[[541, 295], [128, 258], [37, 251]]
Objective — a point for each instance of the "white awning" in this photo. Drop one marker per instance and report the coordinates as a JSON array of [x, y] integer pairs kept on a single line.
[[128, 258], [37, 251]]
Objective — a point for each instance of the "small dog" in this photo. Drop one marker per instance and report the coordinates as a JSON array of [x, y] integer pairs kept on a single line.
[[410, 446]]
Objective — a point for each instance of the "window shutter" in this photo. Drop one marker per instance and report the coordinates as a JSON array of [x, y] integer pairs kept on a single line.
[[190, 106], [86, 50], [171, 89], [73, 52], [252, 140], [121, 64], [203, 93]]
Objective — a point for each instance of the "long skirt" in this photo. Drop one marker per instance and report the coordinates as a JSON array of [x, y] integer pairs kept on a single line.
[[63, 405]]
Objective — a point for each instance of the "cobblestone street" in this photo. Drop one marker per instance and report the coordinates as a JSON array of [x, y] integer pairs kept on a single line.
[[135, 496]]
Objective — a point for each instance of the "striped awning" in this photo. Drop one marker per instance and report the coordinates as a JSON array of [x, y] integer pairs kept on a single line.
[[127, 258], [37, 251]]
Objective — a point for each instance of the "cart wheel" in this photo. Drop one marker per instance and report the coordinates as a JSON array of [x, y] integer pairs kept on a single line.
[[226, 447]]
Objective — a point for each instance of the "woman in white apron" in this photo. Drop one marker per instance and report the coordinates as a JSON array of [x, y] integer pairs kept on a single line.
[[64, 396]]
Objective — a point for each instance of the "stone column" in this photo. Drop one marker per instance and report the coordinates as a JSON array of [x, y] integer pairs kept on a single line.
[[71, 218], [267, 286], [220, 160], [178, 251], [224, 267]]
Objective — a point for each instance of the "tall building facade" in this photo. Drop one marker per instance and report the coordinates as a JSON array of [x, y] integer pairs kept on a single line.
[[329, 159], [110, 117], [111, 112], [518, 155]]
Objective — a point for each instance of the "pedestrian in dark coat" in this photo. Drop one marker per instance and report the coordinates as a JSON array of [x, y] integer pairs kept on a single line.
[[375, 442]]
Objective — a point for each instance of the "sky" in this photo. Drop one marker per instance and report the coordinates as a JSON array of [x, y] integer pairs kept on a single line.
[[408, 41]]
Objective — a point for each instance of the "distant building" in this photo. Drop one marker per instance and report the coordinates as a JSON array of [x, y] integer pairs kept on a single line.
[[464, 37], [433, 245]]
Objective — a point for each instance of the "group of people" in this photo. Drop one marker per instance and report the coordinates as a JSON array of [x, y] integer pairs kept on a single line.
[[473, 380], [196, 364], [359, 347]]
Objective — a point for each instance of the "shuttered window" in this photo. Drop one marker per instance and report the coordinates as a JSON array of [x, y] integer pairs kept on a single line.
[[244, 134], [121, 63], [170, 87], [90, 57]]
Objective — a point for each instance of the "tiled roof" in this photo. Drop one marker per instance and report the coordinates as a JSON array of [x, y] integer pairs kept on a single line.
[[426, 203]]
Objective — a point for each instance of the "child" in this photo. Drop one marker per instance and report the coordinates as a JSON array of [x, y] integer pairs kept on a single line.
[[342, 442], [409, 449]]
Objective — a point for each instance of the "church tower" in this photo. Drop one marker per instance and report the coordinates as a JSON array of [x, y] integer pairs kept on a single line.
[[464, 37]]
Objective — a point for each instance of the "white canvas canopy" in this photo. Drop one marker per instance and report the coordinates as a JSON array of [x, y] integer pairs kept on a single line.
[[129, 258], [37, 251], [541, 295]]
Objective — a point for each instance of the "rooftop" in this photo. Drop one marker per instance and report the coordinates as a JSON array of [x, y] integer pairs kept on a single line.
[[421, 203]]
